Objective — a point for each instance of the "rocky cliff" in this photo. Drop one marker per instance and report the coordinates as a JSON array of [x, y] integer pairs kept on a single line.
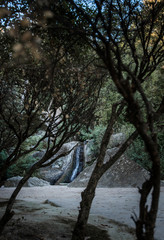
[[124, 173]]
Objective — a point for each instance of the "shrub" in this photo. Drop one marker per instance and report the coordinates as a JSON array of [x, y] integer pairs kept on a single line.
[[3, 156], [22, 165], [137, 153], [25, 162], [31, 141], [96, 135]]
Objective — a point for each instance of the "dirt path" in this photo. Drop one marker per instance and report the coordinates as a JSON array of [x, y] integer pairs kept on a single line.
[[111, 209]]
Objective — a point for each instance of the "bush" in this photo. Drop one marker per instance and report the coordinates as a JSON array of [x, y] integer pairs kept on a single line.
[[25, 162], [3, 156], [31, 141], [22, 165], [137, 153], [96, 135]]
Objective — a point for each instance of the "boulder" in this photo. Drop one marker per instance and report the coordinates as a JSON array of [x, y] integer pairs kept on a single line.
[[12, 182], [34, 181], [123, 173], [31, 182], [59, 170], [88, 155], [116, 140]]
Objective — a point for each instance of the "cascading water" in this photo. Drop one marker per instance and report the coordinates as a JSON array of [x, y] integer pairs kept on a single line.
[[78, 163]]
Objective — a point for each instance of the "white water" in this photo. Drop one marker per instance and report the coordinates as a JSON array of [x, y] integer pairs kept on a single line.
[[77, 158]]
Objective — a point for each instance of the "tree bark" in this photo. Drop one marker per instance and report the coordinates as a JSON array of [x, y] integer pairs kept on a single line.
[[145, 224], [89, 192], [8, 212], [85, 205], [128, 82], [42, 163]]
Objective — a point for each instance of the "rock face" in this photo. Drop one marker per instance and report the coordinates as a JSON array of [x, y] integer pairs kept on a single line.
[[124, 173], [87, 151], [60, 170], [116, 140], [33, 181]]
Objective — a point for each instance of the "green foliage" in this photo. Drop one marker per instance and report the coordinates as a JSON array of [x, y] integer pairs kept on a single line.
[[108, 96], [20, 168], [154, 88], [25, 162], [3, 156], [96, 135], [31, 141], [138, 153]]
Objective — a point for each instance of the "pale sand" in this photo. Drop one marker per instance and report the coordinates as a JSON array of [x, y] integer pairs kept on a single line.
[[111, 211]]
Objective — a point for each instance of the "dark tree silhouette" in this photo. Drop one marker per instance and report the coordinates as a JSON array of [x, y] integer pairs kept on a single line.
[[122, 34], [45, 87]]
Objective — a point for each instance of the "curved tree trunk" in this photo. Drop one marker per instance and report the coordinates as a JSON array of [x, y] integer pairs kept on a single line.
[[89, 192], [42, 163], [8, 212], [145, 225], [85, 205]]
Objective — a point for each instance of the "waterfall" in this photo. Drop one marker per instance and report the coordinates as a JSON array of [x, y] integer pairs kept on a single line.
[[78, 162]]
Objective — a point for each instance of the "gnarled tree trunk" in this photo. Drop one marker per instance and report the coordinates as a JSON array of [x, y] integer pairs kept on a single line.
[[89, 192]]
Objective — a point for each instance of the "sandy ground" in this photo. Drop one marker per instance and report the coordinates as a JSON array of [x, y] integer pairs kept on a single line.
[[50, 212]]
